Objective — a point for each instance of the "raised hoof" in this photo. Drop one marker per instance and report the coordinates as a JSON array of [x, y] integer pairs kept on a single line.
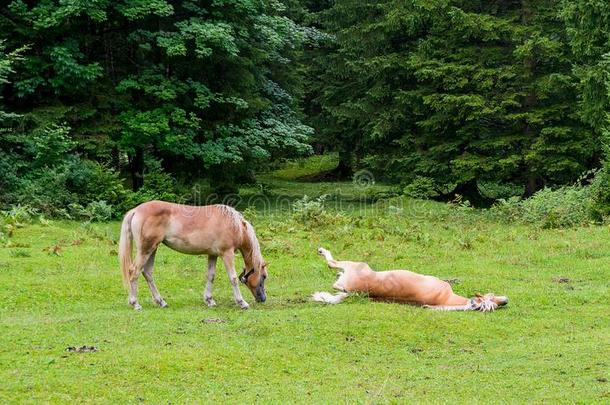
[[210, 302], [137, 307]]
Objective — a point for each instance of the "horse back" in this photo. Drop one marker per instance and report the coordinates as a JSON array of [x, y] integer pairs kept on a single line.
[[210, 229]]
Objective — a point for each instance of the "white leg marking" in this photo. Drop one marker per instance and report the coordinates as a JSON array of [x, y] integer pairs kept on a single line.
[[325, 253], [229, 261], [207, 295]]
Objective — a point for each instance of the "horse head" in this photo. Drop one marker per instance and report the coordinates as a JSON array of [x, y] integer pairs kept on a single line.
[[255, 280], [488, 302]]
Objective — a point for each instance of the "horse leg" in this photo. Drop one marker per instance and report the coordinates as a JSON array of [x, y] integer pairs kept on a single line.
[[147, 272], [229, 260], [207, 295], [332, 263], [448, 307], [140, 261]]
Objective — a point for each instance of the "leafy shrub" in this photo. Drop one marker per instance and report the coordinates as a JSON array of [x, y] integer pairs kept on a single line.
[[84, 189], [509, 209], [90, 182], [496, 190], [99, 211], [74, 183], [307, 210], [49, 144], [422, 188], [19, 215], [312, 213], [600, 195], [45, 190], [9, 178], [563, 207], [15, 217]]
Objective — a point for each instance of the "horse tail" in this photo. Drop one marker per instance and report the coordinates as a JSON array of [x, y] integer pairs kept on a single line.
[[328, 298], [125, 247]]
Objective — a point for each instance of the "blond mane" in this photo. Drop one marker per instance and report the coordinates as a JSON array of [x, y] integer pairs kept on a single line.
[[254, 256]]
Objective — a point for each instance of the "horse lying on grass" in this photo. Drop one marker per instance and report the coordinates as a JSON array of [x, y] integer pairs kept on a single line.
[[401, 286], [214, 230]]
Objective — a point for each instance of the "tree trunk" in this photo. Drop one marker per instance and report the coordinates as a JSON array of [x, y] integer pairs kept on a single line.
[[344, 170], [533, 184], [470, 192], [136, 168]]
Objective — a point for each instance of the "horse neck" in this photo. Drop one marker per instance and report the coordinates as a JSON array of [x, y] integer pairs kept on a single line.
[[250, 249], [455, 299]]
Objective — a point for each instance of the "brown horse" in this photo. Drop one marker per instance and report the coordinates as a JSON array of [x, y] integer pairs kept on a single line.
[[214, 230], [401, 286]]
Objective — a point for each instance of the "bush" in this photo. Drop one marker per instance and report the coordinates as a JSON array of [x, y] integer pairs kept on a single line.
[[84, 189], [421, 188], [563, 207], [307, 210], [312, 213], [98, 211], [45, 190], [496, 190], [600, 195], [158, 185], [91, 182], [19, 215], [64, 189]]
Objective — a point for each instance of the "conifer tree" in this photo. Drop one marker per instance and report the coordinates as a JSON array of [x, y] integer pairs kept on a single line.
[[454, 92]]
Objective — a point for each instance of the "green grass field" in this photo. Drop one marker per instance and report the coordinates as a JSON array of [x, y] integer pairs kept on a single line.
[[61, 287]]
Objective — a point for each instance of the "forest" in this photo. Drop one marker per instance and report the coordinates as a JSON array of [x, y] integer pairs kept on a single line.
[[126, 101]]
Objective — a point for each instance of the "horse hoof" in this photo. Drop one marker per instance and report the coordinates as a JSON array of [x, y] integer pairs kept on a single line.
[[210, 302], [163, 304], [244, 305], [137, 307]]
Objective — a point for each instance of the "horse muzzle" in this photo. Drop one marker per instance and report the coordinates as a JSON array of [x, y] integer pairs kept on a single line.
[[259, 292], [261, 297]]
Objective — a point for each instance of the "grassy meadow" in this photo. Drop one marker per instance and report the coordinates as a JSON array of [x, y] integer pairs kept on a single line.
[[61, 287]]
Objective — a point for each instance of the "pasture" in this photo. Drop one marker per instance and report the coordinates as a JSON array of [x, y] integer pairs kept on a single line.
[[61, 287]]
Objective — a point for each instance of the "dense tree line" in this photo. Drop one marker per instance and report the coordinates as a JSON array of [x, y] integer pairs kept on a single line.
[[204, 88], [447, 96], [457, 93]]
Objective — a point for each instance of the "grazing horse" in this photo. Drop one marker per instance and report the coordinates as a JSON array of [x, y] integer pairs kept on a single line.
[[401, 286], [214, 230]]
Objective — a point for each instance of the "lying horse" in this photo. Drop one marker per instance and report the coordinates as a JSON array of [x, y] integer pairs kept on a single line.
[[401, 286], [214, 230]]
